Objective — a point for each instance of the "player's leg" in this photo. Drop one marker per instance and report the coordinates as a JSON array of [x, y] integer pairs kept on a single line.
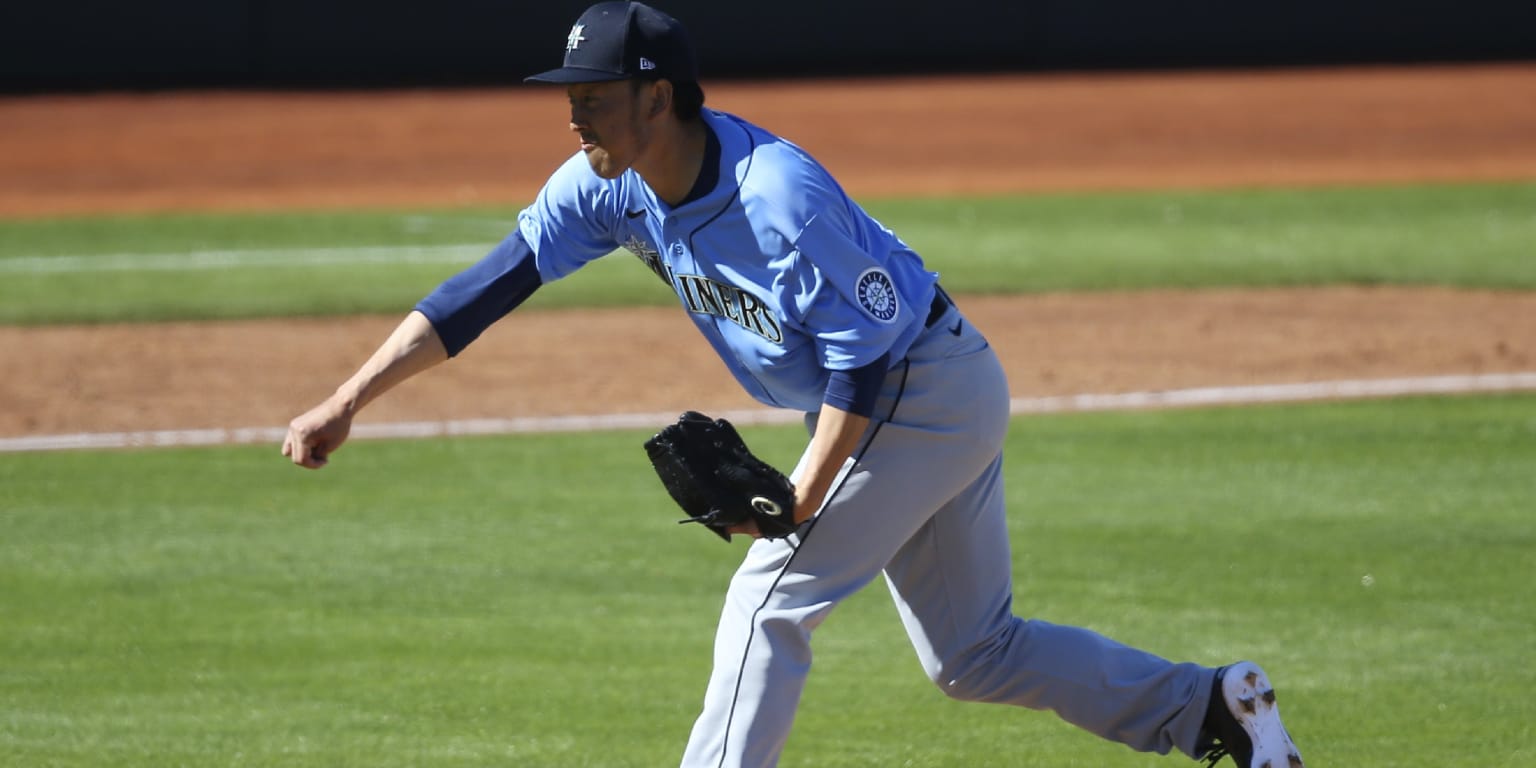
[[761, 657], [905, 468], [781, 592], [952, 587]]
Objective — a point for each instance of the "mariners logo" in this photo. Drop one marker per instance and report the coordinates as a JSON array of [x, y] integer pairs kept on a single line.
[[877, 295], [648, 256]]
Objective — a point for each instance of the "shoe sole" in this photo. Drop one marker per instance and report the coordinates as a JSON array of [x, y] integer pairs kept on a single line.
[[1251, 699]]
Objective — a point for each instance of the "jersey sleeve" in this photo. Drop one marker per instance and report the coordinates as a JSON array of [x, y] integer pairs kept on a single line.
[[568, 225], [850, 301], [466, 304], [572, 220]]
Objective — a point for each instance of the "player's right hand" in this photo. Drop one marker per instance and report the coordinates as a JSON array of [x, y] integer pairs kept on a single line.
[[313, 436]]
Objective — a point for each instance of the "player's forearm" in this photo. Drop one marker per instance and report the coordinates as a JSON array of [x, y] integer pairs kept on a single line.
[[413, 347], [837, 435]]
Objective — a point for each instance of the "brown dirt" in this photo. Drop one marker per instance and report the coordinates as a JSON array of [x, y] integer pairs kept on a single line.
[[231, 151]]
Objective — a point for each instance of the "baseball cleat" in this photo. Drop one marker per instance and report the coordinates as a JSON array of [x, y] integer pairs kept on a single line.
[[1245, 721]]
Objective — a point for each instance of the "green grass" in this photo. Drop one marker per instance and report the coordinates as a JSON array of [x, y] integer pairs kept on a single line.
[[1477, 235], [147, 268], [528, 601], [1466, 235]]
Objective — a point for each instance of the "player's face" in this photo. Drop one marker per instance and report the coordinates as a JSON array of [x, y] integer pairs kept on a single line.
[[609, 118]]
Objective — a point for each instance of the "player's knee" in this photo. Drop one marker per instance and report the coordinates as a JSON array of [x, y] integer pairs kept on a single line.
[[972, 686], [959, 677], [976, 674]]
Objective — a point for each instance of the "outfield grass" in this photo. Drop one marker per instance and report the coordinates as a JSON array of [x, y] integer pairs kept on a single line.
[[221, 266], [443, 603]]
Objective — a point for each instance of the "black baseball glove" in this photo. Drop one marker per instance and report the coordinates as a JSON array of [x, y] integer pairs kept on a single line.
[[709, 472]]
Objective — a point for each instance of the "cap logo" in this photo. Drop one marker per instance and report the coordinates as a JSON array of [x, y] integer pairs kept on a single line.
[[647, 63], [574, 40]]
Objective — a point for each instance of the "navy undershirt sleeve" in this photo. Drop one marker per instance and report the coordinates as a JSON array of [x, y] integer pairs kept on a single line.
[[856, 390], [469, 302]]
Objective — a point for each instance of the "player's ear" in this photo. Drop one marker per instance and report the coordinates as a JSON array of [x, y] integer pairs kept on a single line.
[[661, 97]]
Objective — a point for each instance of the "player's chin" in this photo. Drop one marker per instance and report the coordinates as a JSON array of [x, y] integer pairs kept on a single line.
[[604, 166]]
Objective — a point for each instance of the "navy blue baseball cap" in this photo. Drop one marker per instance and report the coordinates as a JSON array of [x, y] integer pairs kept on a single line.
[[621, 40]]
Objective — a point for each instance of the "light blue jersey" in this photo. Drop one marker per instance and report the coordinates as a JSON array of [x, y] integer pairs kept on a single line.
[[785, 276]]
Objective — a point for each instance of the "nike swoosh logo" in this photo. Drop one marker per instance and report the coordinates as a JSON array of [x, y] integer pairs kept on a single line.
[[634, 214], [956, 330]]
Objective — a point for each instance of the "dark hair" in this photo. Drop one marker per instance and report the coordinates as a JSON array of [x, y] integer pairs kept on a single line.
[[687, 97], [687, 100]]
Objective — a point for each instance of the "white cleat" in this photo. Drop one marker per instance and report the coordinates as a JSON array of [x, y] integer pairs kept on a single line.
[[1248, 727]]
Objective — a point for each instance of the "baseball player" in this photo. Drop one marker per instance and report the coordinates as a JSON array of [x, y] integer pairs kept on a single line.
[[813, 305]]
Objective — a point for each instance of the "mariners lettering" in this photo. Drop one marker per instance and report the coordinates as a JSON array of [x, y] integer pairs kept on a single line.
[[706, 296]]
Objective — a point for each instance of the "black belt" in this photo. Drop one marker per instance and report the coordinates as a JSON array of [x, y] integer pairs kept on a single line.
[[941, 304]]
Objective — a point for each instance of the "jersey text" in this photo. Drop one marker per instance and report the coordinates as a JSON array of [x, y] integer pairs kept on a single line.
[[709, 297]]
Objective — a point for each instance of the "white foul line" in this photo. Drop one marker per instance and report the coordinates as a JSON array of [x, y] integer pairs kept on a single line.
[[1174, 398]]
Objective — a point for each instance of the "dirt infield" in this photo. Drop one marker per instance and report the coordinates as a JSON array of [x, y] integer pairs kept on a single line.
[[237, 151]]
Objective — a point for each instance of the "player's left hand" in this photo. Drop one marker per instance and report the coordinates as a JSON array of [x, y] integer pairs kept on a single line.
[[805, 509], [708, 470]]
